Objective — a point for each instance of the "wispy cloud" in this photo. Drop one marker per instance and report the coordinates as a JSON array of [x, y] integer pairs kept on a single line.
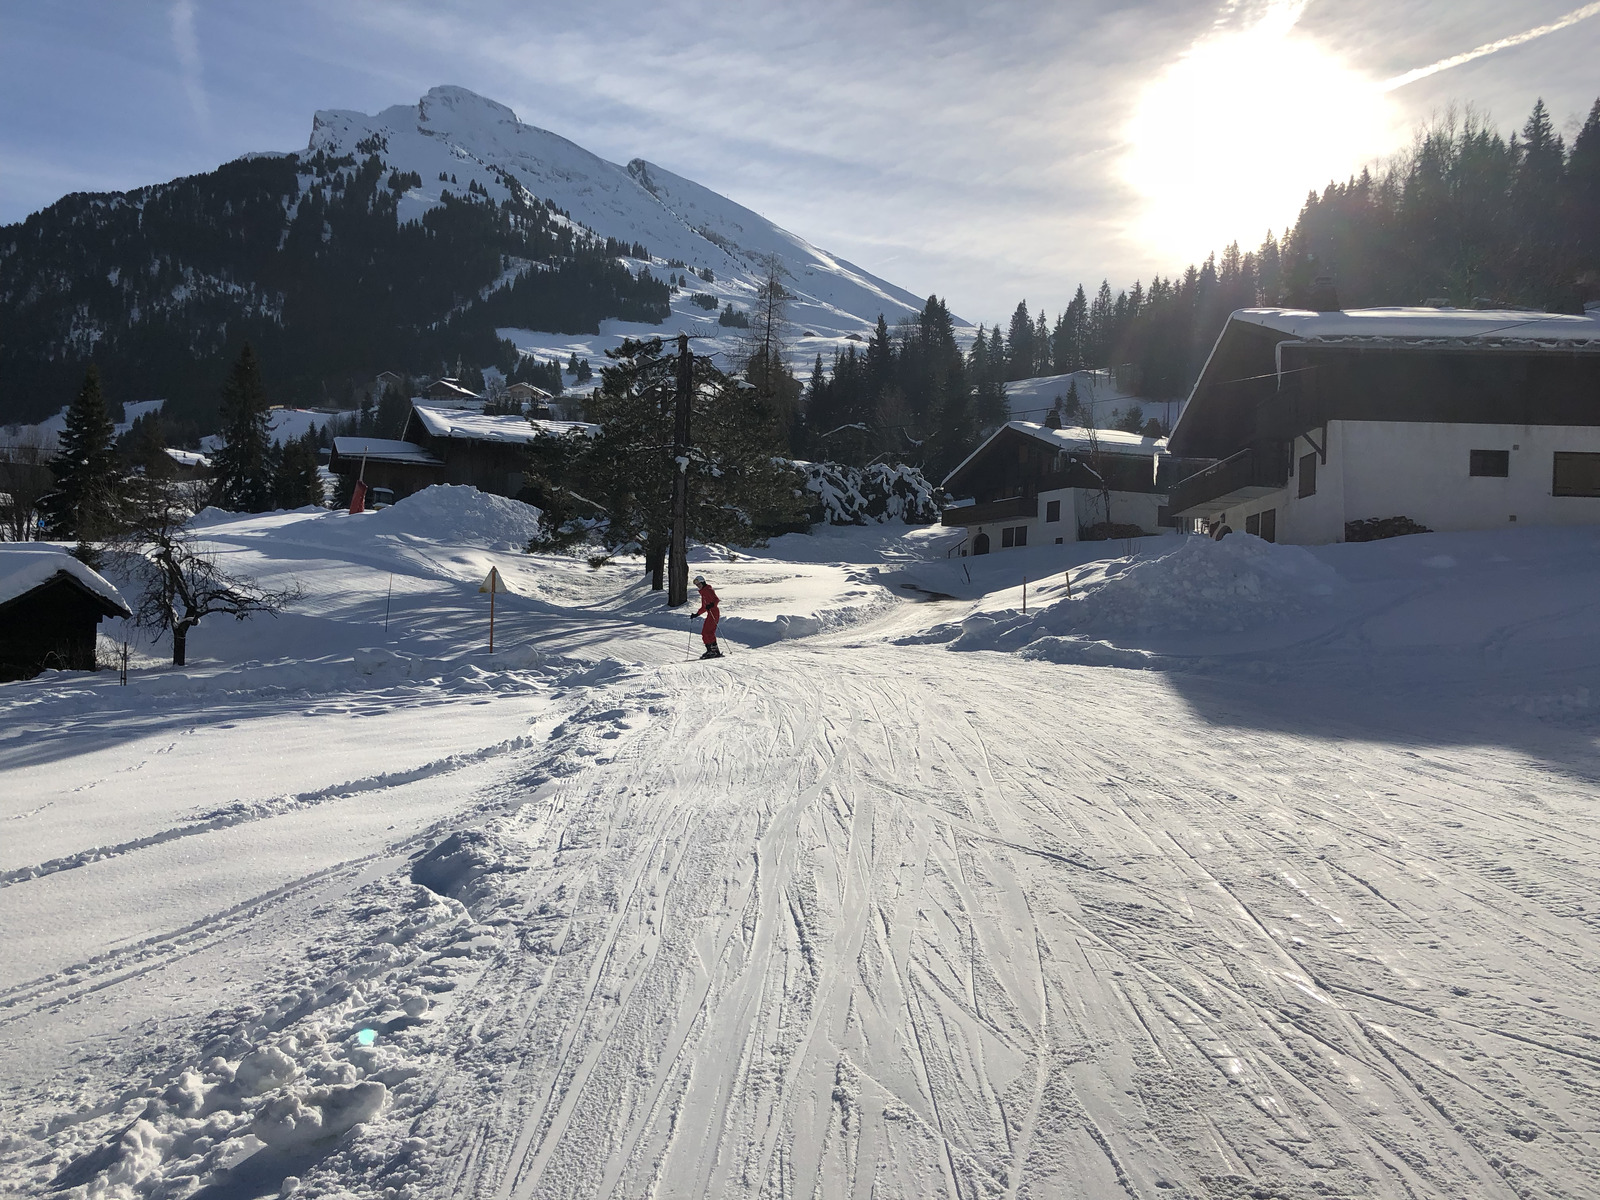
[[187, 45], [1494, 47]]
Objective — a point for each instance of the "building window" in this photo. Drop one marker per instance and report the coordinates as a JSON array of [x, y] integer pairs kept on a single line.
[[1252, 524], [1308, 476], [1269, 525], [1576, 474], [1495, 464], [1052, 510], [1008, 537]]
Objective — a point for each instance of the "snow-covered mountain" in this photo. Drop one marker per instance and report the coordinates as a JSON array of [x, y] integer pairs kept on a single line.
[[458, 141], [416, 240]]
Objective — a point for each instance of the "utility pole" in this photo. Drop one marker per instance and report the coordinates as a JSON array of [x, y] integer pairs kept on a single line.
[[678, 551]]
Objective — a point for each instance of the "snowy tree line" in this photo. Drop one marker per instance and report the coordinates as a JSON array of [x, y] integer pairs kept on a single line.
[[1466, 216]]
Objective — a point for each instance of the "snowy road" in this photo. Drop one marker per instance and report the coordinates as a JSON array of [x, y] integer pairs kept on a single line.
[[821, 928], [1312, 914]]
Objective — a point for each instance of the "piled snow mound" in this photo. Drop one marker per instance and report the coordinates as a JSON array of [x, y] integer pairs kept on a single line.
[[459, 515], [1208, 587], [846, 495], [1201, 586]]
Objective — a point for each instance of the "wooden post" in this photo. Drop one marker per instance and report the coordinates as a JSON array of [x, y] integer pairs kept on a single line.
[[1067, 574], [678, 550], [491, 584]]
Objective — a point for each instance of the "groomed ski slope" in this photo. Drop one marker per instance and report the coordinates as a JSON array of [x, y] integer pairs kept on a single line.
[[1303, 907]]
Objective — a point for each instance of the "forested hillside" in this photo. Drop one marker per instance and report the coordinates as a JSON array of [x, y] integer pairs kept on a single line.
[[303, 257]]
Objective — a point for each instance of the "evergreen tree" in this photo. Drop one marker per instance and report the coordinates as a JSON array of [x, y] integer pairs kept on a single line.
[[880, 362], [1072, 406], [143, 447], [296, 481], [737, 486], [89, 486], [243, 466], [1101, 328], [394, 407], [1582, 201], [1019, 344]]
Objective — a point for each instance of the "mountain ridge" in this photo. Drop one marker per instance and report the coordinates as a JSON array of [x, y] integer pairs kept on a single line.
[[411, 239]]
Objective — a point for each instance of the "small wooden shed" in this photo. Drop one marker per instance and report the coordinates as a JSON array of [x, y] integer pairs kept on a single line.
[[50, 608]]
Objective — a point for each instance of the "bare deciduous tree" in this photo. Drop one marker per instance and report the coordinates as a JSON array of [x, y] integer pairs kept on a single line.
[[181, 584]]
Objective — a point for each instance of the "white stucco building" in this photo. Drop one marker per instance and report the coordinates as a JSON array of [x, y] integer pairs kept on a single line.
[[1454, 419], [1031, 485]]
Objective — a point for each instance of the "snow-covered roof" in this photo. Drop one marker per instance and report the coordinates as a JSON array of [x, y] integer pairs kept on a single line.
[[480, 427], [1074, 439], [384, 450], [25, 566], [1427, 324], [187, 458], [452, 391], [527, 389]]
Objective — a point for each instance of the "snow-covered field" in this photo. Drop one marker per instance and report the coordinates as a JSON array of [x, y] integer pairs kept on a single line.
[[1245, 871]]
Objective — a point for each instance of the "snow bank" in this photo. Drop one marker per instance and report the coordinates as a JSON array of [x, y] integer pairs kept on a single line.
[[856, 495], [458, 514], [1201, 586], [445, 513]]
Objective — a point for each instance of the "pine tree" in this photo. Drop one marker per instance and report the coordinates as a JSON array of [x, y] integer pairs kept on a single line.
[[737, 485], [389, 419], [296, 481], [143, 447], [243, 466], [89, 485], [1019, 344], [1583, 208], [85, 469]]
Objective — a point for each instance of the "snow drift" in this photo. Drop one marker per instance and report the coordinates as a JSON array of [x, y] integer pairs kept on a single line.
[[1201, 586]]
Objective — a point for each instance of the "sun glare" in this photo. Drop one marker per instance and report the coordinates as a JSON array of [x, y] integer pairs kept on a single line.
[[1228, 140]]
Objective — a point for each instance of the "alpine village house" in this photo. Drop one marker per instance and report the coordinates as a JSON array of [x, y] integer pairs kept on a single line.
[[445, 442], [1329, 426], [1033, 484]]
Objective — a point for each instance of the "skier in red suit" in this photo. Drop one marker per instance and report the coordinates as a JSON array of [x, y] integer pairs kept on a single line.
[[708, 607]]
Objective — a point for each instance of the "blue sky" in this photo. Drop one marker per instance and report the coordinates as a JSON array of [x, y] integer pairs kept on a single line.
[[984, 151]]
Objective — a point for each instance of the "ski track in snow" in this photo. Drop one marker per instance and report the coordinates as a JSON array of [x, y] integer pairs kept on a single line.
[[850, 918], [818, 928]]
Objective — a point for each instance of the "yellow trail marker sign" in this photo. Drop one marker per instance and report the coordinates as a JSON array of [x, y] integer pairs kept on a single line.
[[491, 584]]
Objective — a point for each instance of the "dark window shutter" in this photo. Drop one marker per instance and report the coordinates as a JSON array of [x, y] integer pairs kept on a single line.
[[1308, 476]]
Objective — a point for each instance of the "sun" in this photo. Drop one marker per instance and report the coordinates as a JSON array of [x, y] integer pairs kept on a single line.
[[1228, 140]]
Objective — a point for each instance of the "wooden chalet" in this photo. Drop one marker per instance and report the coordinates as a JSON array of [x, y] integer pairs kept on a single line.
[[50, 610], [1031, 484], [443, 444], [450, 391], [1323, 425]]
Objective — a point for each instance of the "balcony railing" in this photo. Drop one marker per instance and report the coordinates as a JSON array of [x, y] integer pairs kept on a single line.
[[1254, 471], [1009, 509]]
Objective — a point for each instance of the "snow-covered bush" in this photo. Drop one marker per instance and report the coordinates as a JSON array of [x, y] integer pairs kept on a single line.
[[844, 495]]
